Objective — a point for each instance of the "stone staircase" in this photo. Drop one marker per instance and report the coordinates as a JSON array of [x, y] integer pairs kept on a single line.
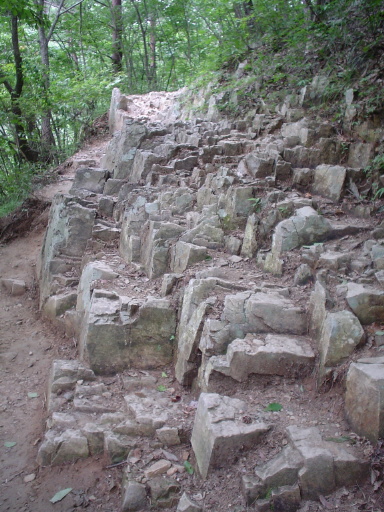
[[223, 269]]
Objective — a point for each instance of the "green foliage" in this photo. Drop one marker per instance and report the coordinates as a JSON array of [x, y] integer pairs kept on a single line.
[[256, 203]]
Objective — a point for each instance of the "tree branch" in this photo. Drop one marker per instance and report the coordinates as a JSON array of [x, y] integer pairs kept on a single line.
[[72, 6], [54, 23]]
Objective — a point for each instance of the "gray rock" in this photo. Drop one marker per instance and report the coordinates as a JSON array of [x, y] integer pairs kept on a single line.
[[92, 180], [318, 467], [364, 398], [169, 436], [360, 154], [122, 149], [187, 505], [219, 432], [340, 335], [117, 446], [317, 310], [329, 181], [69, 230], [57, 305], [156, 239], [185, 255], [304, 228], [277, 355], [56, 449], [303, 275], [256, 166], [164, 492], [249, 246], [366, 302], [118, 332], [112, 187], [15, 287], [135, 497], [335, 260], [191, 322], [302, 178], [286, 498]]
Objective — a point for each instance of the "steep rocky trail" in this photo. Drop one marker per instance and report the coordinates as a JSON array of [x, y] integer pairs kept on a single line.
[[214, 286]]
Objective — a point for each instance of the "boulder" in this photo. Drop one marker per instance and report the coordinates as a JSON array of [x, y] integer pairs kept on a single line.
[[304, 228], [366, 302], [364, 398], [341, 333]]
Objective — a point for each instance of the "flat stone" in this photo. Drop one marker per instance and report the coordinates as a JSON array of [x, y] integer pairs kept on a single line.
[[219, 432], [277, 355], [90, 179], [158, 468]]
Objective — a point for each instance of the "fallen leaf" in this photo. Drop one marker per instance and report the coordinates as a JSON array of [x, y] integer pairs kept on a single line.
[[341, 439], [189, 468], [60, 495], [33, 395], [10, 444], [274, 407]]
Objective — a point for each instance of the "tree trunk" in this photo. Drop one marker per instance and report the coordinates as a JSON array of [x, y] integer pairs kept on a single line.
[[117, 32], [25, 151], [152, 45]]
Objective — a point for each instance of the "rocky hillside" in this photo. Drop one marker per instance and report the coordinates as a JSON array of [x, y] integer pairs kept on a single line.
[[223, 282]]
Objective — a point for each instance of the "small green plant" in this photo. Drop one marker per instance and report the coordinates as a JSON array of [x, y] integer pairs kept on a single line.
[[256, 203]]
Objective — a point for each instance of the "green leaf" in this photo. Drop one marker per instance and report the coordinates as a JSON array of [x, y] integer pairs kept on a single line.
[[189, 468], [33, 395], [60, 495], [9, 444], [164, 375], [161, 388], [274, 407], [341, 439], [379, 333]]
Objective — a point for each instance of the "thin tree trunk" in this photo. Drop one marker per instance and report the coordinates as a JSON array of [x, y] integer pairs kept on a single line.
[[117, 32], [47, 138], [24, 149]]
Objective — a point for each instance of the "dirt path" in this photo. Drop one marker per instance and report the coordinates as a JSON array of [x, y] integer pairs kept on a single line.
[[27, 347]]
